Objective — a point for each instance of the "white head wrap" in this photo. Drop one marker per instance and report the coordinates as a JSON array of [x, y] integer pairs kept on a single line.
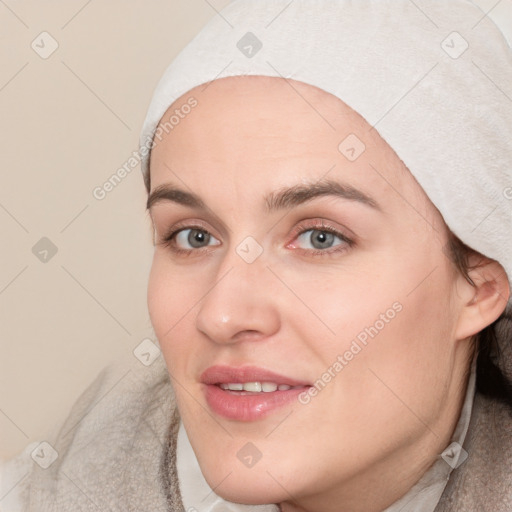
[[433, 77]]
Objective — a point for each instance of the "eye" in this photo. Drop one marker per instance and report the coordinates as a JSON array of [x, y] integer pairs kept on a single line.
[[321, 240], [188, 240], [318, 239], [196, 238]]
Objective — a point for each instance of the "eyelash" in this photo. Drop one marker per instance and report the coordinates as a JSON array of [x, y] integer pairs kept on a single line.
[[169, 239], [323, 228]]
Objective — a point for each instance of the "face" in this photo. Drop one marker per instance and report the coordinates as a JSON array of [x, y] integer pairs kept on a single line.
[[294, 258]]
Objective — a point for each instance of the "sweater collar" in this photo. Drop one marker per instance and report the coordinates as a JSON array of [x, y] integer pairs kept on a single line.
[[424, 496]]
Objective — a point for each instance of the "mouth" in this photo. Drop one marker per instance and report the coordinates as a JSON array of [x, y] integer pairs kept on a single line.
[[248, 393]]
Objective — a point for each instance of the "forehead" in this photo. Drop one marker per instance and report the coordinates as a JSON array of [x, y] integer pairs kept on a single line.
[[279, 113], [255, 131]]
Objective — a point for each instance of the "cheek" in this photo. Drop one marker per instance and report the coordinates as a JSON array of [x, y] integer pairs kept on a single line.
[[406, 365], [392, 326], [171, 297], [161, 297], [340, 305]]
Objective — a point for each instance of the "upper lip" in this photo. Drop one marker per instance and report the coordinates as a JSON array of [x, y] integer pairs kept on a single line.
[[221, 374]]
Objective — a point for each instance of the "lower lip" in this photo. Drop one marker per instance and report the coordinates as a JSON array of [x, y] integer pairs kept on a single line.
[[248, 407]]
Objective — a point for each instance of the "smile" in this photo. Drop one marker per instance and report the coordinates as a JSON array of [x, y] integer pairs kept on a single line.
[[248, 393], [257, 387]]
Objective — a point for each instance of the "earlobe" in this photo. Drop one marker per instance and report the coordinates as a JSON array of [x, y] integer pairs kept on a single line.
[[488, 299]]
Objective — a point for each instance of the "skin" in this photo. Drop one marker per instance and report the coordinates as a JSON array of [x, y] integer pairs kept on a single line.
[[375, 429]]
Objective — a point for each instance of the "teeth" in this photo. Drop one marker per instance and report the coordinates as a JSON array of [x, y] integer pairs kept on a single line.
[[252, 386], [233, 387], [266, 387]]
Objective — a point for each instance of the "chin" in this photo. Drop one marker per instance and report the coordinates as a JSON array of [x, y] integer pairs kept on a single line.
[[247, 487], [247, 496]]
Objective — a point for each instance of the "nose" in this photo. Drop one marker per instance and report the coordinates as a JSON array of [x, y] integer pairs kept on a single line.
[[240, 303]]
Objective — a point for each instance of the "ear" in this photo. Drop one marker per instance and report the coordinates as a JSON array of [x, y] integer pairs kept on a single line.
[[484, 302]]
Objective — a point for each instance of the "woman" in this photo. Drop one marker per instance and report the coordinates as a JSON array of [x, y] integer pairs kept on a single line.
[[329, 186]]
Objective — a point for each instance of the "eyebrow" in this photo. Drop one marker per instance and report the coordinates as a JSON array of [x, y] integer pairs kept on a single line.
[[279, 200]]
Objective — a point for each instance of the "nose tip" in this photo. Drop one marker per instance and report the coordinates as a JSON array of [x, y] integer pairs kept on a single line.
[[238, 307]]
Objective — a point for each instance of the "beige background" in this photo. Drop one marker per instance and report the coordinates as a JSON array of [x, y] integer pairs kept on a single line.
[[67, 124]]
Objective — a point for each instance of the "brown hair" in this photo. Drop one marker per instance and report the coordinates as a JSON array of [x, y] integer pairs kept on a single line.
[[490, 379]]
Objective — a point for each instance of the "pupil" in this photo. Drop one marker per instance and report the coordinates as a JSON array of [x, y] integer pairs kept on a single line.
[[322, 239], [197, 237]]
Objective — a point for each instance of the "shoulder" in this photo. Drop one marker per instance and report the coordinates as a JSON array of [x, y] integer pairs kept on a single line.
[[14, 474], [484, 481], [107, 452]]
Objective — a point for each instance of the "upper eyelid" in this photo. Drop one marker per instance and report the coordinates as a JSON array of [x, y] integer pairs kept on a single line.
[[326, 225], [325, 229], [297, 230], [161, 223], [189, 224]]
